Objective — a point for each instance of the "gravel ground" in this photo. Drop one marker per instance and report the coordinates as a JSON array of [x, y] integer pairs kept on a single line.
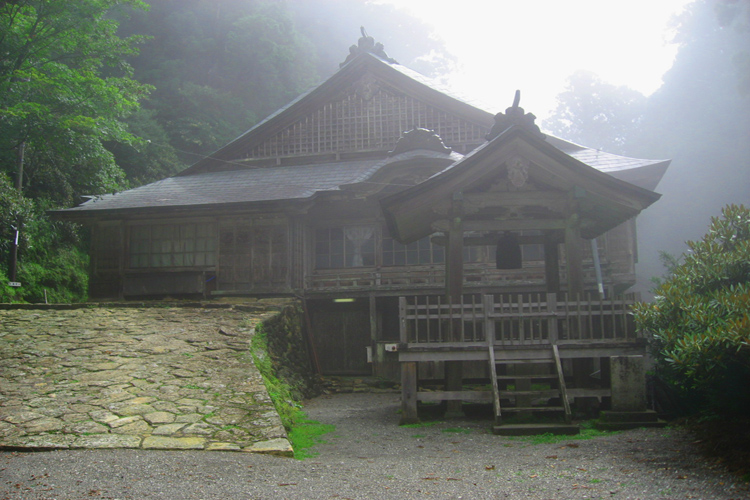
[[369, 456]]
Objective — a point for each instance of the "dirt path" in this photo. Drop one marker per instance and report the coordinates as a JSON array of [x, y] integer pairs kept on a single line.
[[370, 456]]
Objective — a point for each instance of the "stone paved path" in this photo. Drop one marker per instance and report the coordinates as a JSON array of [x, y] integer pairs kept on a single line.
[[150, 378]]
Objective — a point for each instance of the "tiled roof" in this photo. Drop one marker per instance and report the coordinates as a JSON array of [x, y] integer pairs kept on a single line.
[[249, 185], [600, 160], [238, 186]]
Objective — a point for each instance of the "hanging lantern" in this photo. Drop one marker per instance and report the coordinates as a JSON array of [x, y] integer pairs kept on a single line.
[[508, 252]]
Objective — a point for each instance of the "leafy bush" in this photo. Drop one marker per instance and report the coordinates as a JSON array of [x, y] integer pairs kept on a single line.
[[699, 320], [51, 261]]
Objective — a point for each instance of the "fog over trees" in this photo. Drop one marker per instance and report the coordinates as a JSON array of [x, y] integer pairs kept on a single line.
[[219, 67], [700, 118]]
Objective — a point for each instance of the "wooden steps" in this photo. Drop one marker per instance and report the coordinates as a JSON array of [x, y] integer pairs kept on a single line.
[[523, 397]]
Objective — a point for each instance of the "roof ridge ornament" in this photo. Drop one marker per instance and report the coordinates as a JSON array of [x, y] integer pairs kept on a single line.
[[367, 44], [420, 138], [514, 116]]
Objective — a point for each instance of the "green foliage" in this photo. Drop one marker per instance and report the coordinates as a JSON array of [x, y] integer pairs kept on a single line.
[[700, 318], [303, 433], [218, 67], [148, 160], [64, 90], [279, 391], [51, 262], [587, 432]]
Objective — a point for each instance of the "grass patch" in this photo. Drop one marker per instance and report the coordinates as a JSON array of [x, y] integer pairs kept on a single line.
[[279, 391], [587, 432], [303, 433]]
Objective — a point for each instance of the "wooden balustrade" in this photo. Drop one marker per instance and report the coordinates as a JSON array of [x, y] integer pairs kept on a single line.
[[418, 277], [517, 319]]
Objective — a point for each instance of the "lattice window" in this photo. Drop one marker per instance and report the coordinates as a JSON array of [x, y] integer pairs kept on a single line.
[[349, 246], [357, 123], [253, 256], [419, 252], [172, 245], [424, 252], [107, 248]]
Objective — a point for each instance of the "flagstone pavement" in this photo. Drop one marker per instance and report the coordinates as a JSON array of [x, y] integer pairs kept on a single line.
[[134, 377]]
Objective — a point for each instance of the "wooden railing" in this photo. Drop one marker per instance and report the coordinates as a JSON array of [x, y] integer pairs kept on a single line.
[[519, 319], [414, 277]]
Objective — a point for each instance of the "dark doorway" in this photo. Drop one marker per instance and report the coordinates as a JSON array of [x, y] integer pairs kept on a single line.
[[341, 332]]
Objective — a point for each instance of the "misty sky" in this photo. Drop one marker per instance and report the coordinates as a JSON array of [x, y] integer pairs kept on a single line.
[[534, 46]]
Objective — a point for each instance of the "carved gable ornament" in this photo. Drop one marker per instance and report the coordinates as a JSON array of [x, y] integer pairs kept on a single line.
[[367, 88], [518, 172]]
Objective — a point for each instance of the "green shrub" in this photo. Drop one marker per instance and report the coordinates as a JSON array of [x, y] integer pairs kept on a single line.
[[51, 261], [699, 320], [303, 433]]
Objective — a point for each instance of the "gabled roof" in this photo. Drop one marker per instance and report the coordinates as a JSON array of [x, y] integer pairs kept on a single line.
[[227, 177], [608, 201], [400, 77]]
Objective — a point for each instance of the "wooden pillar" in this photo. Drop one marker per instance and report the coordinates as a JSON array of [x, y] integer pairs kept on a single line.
[[454, 280], [409, 393], [375, 355], [551, 263], [454, 262], [373, 319], [574, 255]]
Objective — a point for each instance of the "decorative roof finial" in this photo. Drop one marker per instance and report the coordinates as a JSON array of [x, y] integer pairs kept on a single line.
[[420, 138], [366, 44], [514, 116]]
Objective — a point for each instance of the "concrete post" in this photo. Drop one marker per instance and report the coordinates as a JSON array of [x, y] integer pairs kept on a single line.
[[628, 383]]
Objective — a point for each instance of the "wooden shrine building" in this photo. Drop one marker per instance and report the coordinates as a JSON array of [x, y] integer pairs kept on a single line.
[[424, 234]]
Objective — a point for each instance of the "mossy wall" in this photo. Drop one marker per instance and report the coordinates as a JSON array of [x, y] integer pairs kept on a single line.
[[289, 351]]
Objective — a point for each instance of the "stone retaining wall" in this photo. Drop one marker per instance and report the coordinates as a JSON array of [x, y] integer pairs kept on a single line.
[[146, 375]]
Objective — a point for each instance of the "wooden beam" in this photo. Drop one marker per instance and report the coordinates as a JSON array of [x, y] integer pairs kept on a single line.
[[443, 225], [491, 239], [552, 200]]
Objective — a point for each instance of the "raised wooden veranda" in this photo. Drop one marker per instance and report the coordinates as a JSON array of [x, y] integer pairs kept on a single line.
[[531, 329]]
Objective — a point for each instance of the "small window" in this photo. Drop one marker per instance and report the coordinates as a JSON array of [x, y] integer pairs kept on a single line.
[[349, 246], [420, 252]]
